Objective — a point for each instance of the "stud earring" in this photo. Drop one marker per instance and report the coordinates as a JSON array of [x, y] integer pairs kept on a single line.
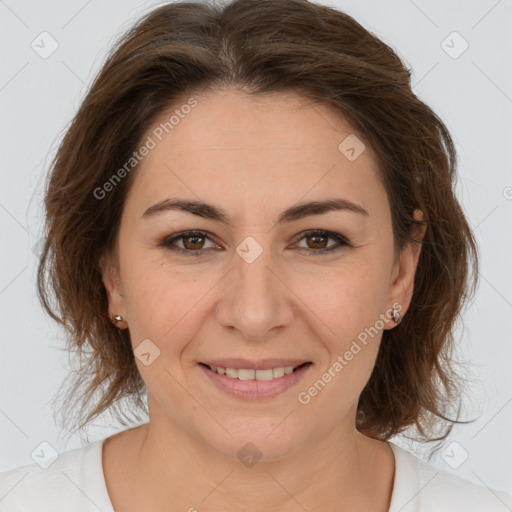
[[118, 319], [396, 316]]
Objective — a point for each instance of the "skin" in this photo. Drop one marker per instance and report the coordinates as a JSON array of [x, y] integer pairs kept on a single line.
[[254, 157]]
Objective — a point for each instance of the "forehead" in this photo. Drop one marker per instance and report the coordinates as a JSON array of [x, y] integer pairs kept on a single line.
[[233, 119], [275, 148]]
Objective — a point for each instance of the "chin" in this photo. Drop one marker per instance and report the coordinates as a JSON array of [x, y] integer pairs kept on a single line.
[[257, 440]]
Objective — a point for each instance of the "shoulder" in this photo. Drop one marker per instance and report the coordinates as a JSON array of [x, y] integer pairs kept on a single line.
[[421, 487], [53, 484], [446, 491]]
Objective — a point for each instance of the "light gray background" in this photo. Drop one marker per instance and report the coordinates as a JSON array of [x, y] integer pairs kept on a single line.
[[472, 93]]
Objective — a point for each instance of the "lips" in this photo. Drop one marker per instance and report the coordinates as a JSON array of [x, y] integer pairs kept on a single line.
[[261, 364], [255, 380]]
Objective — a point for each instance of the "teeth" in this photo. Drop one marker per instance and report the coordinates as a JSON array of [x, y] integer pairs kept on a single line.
[[243, 374], [232, 372], [251, 374], [277, 372]]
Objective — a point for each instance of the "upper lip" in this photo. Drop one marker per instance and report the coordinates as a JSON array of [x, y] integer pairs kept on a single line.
[[261, 364]]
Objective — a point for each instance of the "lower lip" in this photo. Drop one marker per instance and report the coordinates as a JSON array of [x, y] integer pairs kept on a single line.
[[255, 389]]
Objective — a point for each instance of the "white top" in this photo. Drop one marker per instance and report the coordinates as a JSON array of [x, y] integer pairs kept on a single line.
[[75, 481]]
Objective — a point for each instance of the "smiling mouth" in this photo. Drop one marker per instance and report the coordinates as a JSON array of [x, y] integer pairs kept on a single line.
[[252, 374]]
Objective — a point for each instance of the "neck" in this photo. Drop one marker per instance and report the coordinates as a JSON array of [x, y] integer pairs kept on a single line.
[[170, 469]]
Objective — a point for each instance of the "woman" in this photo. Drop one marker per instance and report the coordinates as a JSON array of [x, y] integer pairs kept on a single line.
[[252, 218]]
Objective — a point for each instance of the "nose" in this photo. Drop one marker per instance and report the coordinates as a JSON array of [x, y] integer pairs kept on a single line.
[[256, 300]]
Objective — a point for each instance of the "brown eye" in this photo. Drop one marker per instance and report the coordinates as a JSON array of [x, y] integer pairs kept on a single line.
[[195, 242], [192, 242], [316, 241]]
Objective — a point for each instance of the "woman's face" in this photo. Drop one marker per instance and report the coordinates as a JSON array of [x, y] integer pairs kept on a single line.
[[258, 291]]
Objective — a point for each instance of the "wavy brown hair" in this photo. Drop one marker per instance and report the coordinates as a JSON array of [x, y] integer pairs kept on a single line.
[[260, 46]]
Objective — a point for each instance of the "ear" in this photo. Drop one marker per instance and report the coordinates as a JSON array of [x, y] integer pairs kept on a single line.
[[402, 286], [112, 283]]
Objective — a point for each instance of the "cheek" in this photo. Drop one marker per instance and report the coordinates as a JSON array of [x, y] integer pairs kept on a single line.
[[347, 309], [348, 297], [165, 303], [348, 303]]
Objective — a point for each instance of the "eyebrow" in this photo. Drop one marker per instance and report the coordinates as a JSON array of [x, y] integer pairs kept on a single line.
[[215, 213]]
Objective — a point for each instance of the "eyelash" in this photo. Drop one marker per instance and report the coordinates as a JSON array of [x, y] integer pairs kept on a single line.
[[341, 242]]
